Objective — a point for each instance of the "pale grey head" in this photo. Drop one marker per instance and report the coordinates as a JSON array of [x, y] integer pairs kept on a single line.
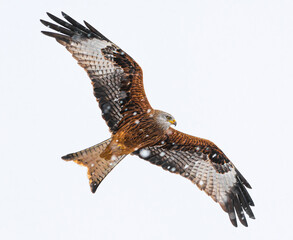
[[164, 119]]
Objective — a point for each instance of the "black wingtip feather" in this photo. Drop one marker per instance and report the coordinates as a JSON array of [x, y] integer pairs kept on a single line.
[[54, 18], [70, 27], [90, 27], [240, 201], [64, 14], [239, 211], [242, 179], [246, 195], [75, 23], [231, 213], [244, 200], [95, 31], [57, 28], [49, 14], [64, 24], [59, 37]]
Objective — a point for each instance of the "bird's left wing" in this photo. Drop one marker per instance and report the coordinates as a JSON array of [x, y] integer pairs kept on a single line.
[[202, 162], [116, 78]]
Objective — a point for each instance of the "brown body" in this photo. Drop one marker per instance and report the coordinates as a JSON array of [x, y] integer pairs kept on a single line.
[[144, 131]]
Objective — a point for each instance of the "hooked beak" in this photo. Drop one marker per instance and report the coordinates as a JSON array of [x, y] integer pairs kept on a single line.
[[173, 122]]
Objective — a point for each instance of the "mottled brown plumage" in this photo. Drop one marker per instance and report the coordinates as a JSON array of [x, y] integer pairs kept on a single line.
[[140, 130]]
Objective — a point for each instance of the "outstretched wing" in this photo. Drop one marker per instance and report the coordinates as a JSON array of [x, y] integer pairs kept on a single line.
[[116, 78], [206, 165]]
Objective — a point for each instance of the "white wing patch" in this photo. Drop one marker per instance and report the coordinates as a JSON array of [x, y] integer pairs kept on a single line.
[[215, 184], [88, 53]]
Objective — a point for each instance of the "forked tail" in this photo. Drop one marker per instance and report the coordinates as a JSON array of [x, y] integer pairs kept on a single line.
[[98, 168]]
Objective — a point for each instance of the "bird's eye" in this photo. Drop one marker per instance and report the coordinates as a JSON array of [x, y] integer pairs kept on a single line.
[[168, 118]]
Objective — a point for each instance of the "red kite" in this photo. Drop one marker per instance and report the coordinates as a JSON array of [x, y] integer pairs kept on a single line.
[[139, 129]]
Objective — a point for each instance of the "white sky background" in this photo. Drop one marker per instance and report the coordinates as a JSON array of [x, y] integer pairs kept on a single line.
[[222, 68]]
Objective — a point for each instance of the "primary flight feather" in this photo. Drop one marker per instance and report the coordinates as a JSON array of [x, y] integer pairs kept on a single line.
[[139, 129]]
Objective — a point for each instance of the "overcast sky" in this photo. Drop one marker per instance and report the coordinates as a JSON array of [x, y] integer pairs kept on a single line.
[[222, 68]]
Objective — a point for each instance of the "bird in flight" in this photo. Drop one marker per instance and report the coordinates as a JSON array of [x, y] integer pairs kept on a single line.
[[138, 129]]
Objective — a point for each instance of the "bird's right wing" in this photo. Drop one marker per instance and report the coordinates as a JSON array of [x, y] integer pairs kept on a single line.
[[204, 164], [116, 78]]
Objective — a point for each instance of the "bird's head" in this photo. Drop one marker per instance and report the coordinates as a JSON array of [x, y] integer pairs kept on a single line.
[[165, 119]]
